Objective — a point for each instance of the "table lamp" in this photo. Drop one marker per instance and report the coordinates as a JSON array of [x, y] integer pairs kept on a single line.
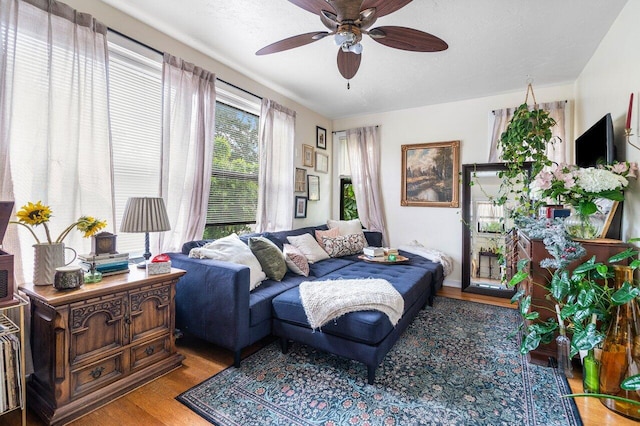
[[145, 214]]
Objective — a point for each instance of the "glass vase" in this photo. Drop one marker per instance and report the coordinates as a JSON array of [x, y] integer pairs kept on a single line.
[[591, 373], [586, 227], [621, 351]]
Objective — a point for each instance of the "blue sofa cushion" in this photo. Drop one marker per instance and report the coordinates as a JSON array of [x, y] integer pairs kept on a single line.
[[260, 298], [436, 268], [368, 327], [327, 266]]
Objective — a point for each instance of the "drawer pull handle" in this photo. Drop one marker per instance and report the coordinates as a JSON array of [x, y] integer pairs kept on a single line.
[[149, 351], [96, 372]]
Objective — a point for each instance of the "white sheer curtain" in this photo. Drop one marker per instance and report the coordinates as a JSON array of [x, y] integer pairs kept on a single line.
[[54, 119], [556, 152], [363, 145], [188, 132], [275, 180]]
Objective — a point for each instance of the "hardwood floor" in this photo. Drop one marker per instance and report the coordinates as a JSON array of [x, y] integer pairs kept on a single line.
[[155, 404]]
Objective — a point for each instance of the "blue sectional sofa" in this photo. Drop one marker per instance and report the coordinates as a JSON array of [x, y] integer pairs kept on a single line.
[[213, 302]]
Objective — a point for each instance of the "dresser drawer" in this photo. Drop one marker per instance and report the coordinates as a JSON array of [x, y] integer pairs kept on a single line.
[[96, 375], [150, 352]]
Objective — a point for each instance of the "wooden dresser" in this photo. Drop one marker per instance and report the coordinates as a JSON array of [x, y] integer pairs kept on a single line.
[[96, 343], [535, 251]]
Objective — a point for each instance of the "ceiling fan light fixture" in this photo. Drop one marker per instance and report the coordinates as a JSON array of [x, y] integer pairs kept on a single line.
[[344, 37], [354, 48]]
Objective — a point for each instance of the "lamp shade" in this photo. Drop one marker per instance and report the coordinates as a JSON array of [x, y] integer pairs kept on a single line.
[[145, 214]]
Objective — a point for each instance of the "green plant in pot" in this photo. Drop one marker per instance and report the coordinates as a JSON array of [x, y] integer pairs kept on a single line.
[[583, 294], [525, 140]]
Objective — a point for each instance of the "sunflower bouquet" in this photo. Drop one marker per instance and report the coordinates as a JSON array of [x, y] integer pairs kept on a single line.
[[32, 215]]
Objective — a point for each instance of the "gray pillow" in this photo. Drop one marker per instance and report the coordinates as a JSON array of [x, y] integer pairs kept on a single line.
[[270, 257]]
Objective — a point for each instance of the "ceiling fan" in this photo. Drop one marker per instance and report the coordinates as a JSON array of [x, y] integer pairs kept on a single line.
[[347, 21]]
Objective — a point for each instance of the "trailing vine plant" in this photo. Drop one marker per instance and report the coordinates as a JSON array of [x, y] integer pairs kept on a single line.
[[525, 140]]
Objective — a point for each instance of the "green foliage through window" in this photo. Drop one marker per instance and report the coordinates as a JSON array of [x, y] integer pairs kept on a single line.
[[349, 209], [233, 197]]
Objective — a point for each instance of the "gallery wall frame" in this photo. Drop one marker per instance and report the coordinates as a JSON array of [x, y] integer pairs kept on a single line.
[[300, 183], [300, 207], [307, 155], [322, 163], [321, 138], [430, 174], [313, 187]]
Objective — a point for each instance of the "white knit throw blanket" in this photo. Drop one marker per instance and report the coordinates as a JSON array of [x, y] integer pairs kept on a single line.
[[326, 300], [430, 254]]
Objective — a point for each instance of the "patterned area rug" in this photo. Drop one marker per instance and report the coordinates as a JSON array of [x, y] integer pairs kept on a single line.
[[453, 366]]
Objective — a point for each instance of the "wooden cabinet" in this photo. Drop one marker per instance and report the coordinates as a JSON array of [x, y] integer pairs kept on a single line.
[[535, 285], [96, 343]]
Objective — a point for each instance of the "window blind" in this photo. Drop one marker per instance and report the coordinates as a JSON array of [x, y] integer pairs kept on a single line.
[[233, 198], [135, 78]]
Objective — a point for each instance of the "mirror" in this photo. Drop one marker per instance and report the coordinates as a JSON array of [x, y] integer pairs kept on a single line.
[[487, 232]]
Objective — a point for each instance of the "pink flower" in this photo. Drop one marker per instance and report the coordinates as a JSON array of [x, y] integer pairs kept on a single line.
[[633, 170], [569, 180], [543, 180], [619, 168]]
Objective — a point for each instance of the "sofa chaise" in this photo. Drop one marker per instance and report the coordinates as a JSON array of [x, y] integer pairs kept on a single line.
[[214, 303]]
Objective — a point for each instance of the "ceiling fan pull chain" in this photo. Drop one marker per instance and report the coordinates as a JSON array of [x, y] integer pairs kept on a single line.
[[348, 85]]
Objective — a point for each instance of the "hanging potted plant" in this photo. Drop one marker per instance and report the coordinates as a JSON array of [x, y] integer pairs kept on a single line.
[[525, 140]]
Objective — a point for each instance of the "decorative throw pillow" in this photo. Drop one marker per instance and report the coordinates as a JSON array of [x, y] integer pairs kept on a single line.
[[346, 227], [309, 247], [232, 249], [296, 261], [344, 245], [331, 233], [270, 257]]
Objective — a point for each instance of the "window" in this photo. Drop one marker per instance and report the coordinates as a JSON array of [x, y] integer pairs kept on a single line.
[[135, 107], [348, 207], [233, 198]]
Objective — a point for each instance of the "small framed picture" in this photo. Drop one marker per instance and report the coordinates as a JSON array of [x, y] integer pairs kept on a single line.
[[321, 138], [301, 207], [322, 163], [300, 184], [307, 155], [313, 187]]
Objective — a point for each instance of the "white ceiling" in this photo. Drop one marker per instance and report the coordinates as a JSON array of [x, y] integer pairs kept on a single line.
[[494, 47]]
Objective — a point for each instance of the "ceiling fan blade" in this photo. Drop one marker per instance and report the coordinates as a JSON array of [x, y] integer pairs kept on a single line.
[[313, 6], [291, 42], [348, 63], [329, 20], [408, 39], [385, 7]]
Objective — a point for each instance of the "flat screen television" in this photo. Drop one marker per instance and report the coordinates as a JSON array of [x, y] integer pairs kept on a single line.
[[596, 145]]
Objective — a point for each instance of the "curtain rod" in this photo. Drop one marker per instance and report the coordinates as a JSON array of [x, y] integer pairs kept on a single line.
[[338, 131], [493, 111], [162, 53]]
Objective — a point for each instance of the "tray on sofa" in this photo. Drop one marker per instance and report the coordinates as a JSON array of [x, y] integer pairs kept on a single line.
[[383, 260]]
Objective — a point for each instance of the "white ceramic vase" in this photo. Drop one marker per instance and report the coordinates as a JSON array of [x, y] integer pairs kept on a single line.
[[47, 258]]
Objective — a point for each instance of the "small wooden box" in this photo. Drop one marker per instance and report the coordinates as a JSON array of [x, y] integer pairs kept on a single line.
[[156, 268]]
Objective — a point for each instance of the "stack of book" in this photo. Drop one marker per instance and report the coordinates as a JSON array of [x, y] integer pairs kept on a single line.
[[107, 264], [374, 253]]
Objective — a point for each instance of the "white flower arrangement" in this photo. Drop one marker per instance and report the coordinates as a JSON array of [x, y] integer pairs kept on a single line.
[[581, 187]]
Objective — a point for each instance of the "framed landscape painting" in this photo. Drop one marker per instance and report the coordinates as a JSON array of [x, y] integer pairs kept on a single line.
[[430, 174]]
